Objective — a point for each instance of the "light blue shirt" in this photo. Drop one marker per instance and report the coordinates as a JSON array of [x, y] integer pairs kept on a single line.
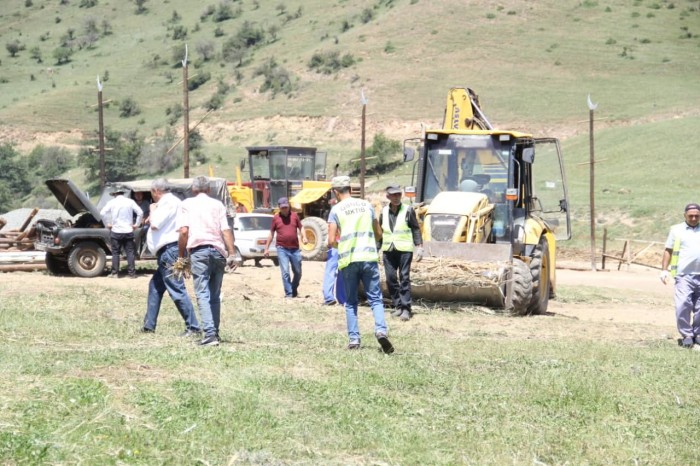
[[689, 252]]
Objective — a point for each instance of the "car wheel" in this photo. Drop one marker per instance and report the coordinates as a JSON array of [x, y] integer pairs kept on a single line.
[[87, 259]]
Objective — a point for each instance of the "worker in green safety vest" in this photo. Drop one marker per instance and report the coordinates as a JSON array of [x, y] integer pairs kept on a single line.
[[401, 242], [681, 260], [358, 260]]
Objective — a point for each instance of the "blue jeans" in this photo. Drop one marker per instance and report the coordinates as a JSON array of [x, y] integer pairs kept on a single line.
[[208, 272], [287, 257], [161, 281], [368, 274], [333, 290]]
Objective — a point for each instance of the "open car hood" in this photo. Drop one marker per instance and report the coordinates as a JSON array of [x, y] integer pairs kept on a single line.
[[72, 198]]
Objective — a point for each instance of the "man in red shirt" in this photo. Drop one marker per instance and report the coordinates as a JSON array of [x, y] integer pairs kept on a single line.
[[286, 224]]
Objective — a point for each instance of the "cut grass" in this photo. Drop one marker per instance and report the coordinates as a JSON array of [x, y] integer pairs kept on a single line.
[[82, 385]]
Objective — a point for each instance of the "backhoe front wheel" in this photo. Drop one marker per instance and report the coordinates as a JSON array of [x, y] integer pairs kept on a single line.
[[541, 284], [521, 281]]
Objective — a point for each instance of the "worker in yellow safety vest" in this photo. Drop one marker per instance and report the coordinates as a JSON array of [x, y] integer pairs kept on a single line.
[[401, 241], [682, 254], [358, 260]]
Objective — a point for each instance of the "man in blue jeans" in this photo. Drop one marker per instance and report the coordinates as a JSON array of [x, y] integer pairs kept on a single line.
[[287, 226], [206, 234], [358, 259], [162, 240]]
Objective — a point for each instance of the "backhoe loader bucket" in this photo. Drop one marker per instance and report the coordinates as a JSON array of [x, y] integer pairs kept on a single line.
[[465, 272]]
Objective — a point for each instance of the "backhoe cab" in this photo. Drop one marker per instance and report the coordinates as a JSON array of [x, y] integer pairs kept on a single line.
[[495, 200]]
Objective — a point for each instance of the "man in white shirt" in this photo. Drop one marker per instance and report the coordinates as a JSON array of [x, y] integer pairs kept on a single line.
[[207, 236], [162, 240], [118, 216], [682, 254]]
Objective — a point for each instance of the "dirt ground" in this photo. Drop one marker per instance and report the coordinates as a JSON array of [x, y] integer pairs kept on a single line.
[[630, 305]]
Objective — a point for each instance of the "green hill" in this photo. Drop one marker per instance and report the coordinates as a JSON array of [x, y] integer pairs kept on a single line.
[[532, 64]]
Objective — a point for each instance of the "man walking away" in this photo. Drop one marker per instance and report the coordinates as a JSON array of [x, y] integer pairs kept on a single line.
[[206, 234], [287, 226], [358, 260], [118, 216], [400, 237], [162, 238], [682, 254]]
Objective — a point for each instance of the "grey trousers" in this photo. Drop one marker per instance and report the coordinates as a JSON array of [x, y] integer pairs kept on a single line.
[[687, 298]]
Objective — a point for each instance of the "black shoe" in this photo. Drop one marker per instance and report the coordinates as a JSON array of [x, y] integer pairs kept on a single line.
[[114, 275], [132, 275], [405, 315], [211, 340], [396, 312], [384, 342], [191, 333], [147, 330], [354, 345], [294, 294], [686, 343]]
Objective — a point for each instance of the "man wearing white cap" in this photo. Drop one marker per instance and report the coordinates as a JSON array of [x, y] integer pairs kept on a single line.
[[358, 259]]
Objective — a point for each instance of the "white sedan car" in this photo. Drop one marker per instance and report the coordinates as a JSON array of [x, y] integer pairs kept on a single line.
[[250, 232]]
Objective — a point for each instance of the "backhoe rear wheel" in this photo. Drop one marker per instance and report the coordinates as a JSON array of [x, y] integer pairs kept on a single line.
[[316, 230], [540, 270], [521, 281]]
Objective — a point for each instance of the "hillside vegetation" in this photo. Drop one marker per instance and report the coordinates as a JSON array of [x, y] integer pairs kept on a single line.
[[291, 73]]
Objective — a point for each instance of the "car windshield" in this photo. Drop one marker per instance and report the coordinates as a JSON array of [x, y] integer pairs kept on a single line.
[[255, 223], [477, 163]]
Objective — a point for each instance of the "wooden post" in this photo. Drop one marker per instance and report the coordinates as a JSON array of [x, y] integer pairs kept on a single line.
[[186, 115], [101, 134], [605, 245], [363, 165], [591, 110]]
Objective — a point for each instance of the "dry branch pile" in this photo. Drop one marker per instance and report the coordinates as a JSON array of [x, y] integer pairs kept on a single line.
[[442, 271]]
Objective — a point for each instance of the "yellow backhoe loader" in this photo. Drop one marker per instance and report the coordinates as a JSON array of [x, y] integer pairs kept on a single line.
[[492, 204]]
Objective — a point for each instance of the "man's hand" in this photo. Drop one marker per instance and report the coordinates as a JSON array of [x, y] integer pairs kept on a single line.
[[231, 263], [664, 276], [266, 253], [418, 254]]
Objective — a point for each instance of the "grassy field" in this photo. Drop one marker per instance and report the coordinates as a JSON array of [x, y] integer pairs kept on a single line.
[[82, 386]]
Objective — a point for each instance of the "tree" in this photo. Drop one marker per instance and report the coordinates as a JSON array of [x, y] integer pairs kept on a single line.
[[62, 55], [35, 54], [50, 162], [14, 47], [14, 182], [128, 108], [121, 161], [205, 49], [140, 6]]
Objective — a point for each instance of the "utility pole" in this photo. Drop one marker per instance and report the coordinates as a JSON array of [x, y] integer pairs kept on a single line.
[[186, 113], [101, 134], [363, 165], [591, 112]]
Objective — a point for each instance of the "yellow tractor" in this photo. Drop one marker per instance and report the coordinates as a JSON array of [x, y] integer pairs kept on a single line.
[[492, 204]]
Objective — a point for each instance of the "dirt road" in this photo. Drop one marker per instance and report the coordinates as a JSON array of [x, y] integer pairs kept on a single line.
[[628, 305]]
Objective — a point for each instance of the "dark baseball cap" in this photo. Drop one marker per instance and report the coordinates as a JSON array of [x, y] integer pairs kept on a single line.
[[692, 206], [283, 202]]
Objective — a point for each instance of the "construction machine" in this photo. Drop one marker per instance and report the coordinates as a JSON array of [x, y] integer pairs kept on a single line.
[[492, 205], [299, 174]]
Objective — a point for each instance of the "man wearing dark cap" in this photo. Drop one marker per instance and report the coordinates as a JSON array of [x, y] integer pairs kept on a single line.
[[122, 216], [681, 260], [400, 238], [353, 229], [287, 226]]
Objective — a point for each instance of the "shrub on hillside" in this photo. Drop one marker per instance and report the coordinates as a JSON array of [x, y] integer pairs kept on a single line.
[[197, 80], [330, 62], [128, 108], [276, 78], [14, 47], [62, 55], [50, 162], [87, 3]]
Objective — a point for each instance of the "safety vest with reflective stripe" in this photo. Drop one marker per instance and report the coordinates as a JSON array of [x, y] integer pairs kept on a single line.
[[674, 256], [401, 237], [357, 242]]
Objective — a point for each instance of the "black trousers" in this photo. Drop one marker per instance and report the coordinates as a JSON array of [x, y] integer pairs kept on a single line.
[[126, 241], [397, 268]]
